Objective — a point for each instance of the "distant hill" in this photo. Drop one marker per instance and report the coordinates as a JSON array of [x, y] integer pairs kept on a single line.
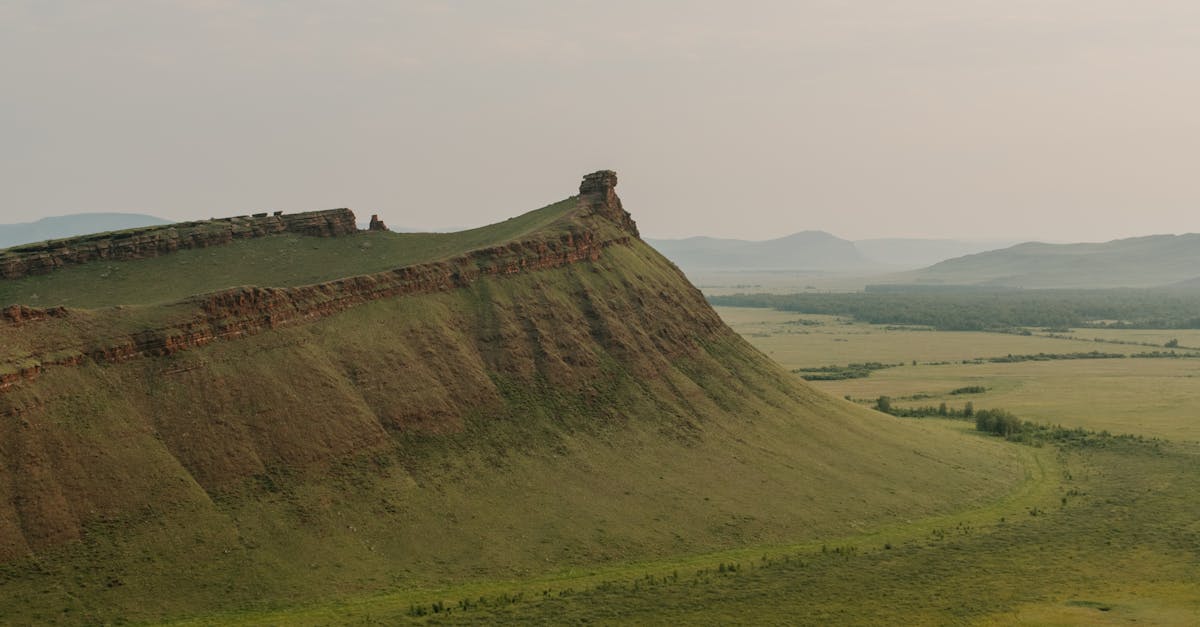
[[1151, 261], [807, 250], [71, 225], [815, 251], [919, 253]]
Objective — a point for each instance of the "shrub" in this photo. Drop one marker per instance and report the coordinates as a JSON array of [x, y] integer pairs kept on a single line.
[[997, 421], [970, 389], [884, 404]]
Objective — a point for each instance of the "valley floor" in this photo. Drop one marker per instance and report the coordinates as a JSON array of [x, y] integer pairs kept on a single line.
[[1153, 397]]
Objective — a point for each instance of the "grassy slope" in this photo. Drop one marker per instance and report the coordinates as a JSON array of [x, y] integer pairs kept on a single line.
[[593, 414], [278, 261], [1119, 547]]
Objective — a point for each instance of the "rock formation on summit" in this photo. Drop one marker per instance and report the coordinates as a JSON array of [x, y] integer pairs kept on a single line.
[[598, 190]]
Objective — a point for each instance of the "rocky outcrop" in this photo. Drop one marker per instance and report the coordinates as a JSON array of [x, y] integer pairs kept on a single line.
[[598, 191], [18, 314], [45, 257], [376, 224]]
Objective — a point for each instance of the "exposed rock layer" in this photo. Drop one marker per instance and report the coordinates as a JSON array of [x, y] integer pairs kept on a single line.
[[45, 257], [245, 311]]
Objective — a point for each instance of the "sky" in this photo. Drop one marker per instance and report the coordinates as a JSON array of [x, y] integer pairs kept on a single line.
[[1061, 120]]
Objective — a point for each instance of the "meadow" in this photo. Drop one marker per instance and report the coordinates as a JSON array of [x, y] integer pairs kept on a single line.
[[1155, 397]]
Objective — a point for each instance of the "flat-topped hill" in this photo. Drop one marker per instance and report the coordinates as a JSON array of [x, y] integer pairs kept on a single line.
[[542, 394]]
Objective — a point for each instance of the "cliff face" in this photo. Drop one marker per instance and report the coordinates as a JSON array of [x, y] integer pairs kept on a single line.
[[154, 241]]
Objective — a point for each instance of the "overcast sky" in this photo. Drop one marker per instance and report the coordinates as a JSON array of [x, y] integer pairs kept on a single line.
[[1060, 120]]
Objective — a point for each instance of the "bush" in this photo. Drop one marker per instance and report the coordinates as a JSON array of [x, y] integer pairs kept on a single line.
[[884, 404], [970, 389], [997, 421]]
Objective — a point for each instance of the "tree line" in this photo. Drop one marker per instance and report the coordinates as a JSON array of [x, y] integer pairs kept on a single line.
[[1001, 309]]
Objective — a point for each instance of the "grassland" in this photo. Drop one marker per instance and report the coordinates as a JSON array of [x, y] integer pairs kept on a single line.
[[277, 261], [786, 338], [1151, 397], [1157, 337]]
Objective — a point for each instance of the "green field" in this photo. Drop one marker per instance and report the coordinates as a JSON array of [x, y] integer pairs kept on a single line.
[[836, 341], [1151, 397], [1185, 337]]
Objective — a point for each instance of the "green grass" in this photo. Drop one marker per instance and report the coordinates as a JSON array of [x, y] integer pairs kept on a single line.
[[276, 261], [1151, 397], [1157, 337], [1072, 560], [840, 341], [1095, 535]]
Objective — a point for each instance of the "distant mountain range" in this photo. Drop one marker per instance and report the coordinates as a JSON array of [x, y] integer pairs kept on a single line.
[[1151, 261], [815, 251], [808, 250], [72, 225], [919, 253]]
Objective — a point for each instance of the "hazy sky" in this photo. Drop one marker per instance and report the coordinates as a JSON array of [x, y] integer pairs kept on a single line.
[[1063, 120]]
